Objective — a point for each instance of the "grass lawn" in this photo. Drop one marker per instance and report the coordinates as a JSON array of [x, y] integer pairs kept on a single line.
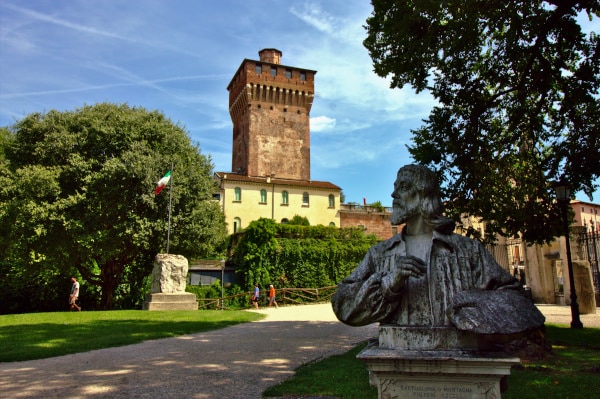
[[571, 371], [41, 335]]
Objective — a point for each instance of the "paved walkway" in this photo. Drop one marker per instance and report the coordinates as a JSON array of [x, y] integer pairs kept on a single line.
[[235, 362]]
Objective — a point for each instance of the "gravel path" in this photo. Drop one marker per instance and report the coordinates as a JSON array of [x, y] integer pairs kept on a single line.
[[235, 362]]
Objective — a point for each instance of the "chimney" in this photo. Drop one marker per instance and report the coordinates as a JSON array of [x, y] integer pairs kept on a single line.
[[270, 55]]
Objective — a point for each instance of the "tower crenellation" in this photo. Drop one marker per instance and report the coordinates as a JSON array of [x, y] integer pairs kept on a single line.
[[269, 105]]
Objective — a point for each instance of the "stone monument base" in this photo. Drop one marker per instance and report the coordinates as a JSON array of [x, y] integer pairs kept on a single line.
[[436, 374], [179, 301]]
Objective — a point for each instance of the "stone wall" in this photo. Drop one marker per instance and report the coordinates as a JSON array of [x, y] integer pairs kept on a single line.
[[377, 223]]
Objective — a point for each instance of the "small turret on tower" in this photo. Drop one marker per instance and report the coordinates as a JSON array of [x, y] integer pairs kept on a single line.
[[270, 55]]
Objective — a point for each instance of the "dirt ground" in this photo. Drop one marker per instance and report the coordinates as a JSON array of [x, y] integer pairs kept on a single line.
[[235, 362]]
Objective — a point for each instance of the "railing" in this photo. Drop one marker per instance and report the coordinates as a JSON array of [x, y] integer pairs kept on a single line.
[[284, 296], [590, 242]]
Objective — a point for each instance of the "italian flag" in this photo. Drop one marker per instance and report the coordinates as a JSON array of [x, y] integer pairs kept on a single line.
[[162, 183]]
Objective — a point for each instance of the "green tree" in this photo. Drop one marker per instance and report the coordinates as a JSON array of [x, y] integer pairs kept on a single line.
[[517, 89], [77, 195], [298, 220]]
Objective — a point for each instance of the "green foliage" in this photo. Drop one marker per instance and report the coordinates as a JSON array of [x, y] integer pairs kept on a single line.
[[378, 206], [76, 197], [205, 291], [298, 256], [299, 221], [516, 85]]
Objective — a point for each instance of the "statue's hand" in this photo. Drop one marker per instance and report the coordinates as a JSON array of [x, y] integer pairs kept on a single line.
[[410, 266], [405, 267]]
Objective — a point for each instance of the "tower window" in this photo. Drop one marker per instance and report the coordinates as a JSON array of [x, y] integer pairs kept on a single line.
[[263, 196], [302, 75], [273, 71], [237, 194], [288, 73], [258, 69]]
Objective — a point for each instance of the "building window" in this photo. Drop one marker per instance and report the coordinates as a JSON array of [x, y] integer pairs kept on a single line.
[[237, 194], [237, 224], [273, 71], [263, 196], [302, 75], [305, 199], [331, 224], [284, 221], [582, 209], [331, 201], [284, 198], [258, 69], [288, 73]]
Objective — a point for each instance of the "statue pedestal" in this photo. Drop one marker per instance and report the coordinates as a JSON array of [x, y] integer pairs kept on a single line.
[[439, 370], [180, 301], [168, 285]]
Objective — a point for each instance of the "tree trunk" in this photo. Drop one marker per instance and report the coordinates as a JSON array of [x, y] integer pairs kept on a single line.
[[110, 275]]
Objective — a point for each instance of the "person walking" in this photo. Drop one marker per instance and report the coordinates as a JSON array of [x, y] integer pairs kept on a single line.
[[74, 295], [272, 300], [255, 296]]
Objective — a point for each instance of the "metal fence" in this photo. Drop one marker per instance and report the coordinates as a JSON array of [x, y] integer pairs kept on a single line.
[[284, 296], [589, 241]]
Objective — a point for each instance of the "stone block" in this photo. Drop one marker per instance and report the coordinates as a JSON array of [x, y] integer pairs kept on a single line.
[[162, 301], [426, 338], [169, 274], [584, 286], [444, 374]]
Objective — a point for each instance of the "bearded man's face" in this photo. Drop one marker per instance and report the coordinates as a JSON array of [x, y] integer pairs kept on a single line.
[[407, 200]]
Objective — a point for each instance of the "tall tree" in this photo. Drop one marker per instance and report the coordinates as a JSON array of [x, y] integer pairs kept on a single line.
[[78, 194], [517, 89]]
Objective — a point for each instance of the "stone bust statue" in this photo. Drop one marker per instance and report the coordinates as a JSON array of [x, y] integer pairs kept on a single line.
[[427, 276]]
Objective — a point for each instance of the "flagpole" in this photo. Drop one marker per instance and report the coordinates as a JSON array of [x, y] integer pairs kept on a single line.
[[170, 197]]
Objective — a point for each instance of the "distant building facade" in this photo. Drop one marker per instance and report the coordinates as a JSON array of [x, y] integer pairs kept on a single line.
[[248, 198], [586, 214]]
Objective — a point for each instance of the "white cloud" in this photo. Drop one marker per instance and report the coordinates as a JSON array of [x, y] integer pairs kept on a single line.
[[321, 124]]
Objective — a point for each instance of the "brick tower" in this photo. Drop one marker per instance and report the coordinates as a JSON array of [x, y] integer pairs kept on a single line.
[[269, 104]]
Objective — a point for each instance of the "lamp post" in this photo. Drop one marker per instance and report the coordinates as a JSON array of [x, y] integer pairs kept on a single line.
[[222, 276], [563, 195]]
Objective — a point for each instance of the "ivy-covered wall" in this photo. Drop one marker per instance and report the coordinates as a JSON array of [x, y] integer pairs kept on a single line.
[[297, 256]]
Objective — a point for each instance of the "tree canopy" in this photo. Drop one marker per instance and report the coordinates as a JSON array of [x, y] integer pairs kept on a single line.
[[77, 196], [516, 85]]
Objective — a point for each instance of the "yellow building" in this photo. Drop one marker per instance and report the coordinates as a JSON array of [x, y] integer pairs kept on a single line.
[[245, 198]]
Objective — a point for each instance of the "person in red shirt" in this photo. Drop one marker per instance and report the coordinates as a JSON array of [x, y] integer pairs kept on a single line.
[[272, 300]]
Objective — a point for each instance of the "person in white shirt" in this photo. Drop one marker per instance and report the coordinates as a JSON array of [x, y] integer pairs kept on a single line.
[[74, 295]]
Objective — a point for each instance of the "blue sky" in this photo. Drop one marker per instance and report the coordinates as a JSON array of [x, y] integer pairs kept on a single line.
[[178, 56]]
